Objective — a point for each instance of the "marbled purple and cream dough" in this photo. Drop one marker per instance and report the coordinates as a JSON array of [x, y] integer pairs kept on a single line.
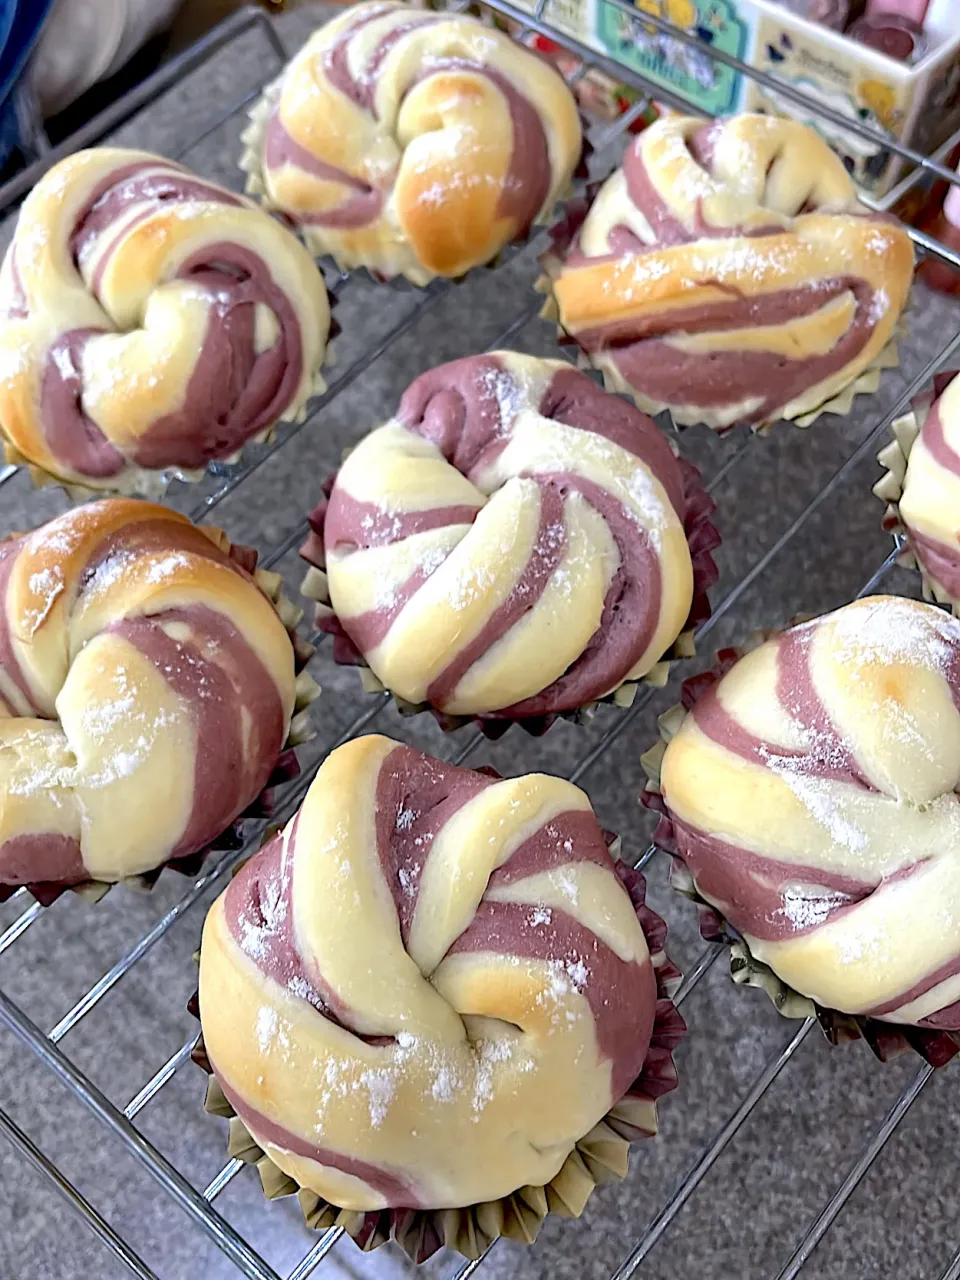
[[150, 321], [513, 541], [929, 490], [727, 272], [146, 690], [813, 795], [412, 142], [429, 986]]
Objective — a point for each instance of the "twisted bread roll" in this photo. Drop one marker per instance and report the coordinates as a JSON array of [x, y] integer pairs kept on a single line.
[[930, 497], [512, 542], [146, 691], [728, 273], [414, 143], [149, 320], [813, 797], [430, 986]]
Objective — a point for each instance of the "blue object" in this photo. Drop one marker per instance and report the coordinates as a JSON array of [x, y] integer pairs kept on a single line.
[[21, 22]]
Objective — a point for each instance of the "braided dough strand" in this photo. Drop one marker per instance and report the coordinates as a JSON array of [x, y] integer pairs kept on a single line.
[[430, 986], [146, 691], [414, 143], [150, 320], [727, 272]]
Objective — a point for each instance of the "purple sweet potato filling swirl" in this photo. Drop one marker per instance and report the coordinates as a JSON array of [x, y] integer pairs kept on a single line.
[[233, 393], [234, 702], [525, 186], [641, 349], [460, 408], [940, 560], [764, 897], [41, 858], [416, 796]]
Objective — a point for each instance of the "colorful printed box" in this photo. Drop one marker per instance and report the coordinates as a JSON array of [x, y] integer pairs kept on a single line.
[[917, 105]]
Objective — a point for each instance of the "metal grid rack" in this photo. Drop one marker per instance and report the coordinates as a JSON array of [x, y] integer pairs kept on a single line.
[[199, 1203]]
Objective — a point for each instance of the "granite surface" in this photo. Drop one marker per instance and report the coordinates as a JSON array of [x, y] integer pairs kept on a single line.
[[770, 1181]]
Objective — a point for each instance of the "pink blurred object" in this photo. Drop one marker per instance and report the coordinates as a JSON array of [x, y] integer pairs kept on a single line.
[[898, 37]]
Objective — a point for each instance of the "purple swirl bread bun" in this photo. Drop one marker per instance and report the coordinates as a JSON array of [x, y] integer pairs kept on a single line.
[[922, 486], [147, 685], [413, 142], [812, 794], [432, 985], [727, 272], [150, 321], [515, 543]]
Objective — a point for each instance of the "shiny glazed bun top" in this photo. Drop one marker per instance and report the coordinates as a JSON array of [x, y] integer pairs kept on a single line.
[[150, 321], [813, 795], [727, 272], [430, 986], [513, 541], [146, 690], [413, 142]]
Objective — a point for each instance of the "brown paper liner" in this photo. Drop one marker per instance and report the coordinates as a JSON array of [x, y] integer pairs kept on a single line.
[[562, 236], [286, 768], [413, 278], [887, 1040], [702, 539], [600, 1156], [889, 489], [143, 483]]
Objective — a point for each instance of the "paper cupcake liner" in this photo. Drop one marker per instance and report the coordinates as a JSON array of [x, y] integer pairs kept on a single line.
[[600, 1156], [286, 768], [562, 235], [889, 489], [887, 1040], [413, 278], [702, 539], [144, 483]]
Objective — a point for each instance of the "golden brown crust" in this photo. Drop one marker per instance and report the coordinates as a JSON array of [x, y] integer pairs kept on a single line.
[[147, 686], [149, 322], [727, 273], [412, 142]]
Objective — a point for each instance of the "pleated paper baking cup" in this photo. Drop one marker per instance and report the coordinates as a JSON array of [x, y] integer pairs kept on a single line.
[[286, 768], [564, 233], [887, 1040], [599, 1157], [702, 539], [409, 274], [894, 458]]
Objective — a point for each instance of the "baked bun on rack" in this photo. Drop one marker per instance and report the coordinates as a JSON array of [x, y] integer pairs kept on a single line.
[[413, 143], [430, 986], [922, 485], [727, 272], [147, 685], [150, 322], [515, 543], [812, 794]]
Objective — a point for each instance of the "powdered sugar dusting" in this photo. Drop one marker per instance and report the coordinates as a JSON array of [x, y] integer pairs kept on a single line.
[[887, 630], [807, 906], [817, 794], [46, 586]]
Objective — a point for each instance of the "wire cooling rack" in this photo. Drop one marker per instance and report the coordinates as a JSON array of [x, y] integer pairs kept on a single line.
[[605, 741]]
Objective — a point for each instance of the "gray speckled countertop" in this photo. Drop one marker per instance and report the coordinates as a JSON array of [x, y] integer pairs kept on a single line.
[[745, 1216]]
